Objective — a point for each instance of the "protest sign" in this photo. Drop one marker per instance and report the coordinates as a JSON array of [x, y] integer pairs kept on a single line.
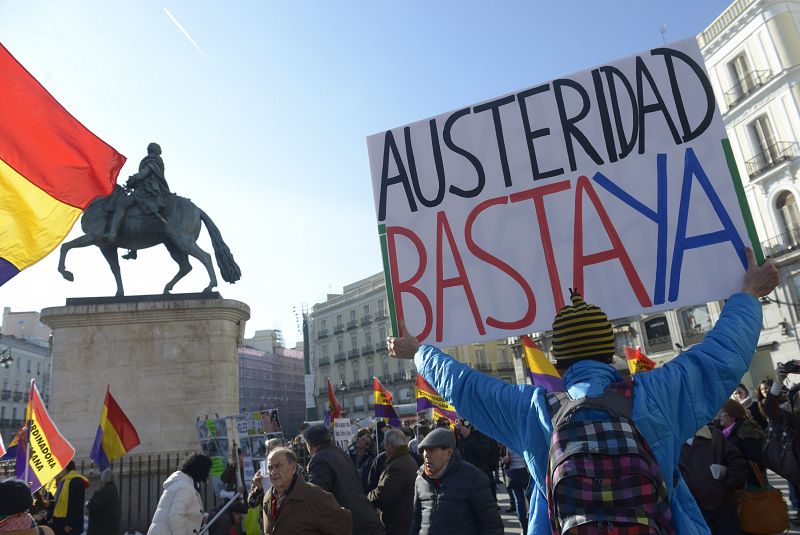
[[342, 433], [618, 181]]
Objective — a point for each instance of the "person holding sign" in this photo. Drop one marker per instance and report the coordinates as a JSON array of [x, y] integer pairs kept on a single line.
[[601, 420]]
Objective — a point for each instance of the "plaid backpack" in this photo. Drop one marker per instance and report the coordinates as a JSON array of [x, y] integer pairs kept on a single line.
[[602, 477]]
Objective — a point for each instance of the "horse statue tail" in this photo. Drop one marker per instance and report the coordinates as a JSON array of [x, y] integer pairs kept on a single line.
[[228, 267]]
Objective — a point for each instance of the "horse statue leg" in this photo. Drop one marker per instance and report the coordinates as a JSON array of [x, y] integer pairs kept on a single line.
[[184, 266], [82, 241], [110, 254]]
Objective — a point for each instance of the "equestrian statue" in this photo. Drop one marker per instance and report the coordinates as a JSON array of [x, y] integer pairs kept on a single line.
[[145, 213]]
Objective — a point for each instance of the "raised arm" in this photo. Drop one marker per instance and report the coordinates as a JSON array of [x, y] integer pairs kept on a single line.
[[689, 391]]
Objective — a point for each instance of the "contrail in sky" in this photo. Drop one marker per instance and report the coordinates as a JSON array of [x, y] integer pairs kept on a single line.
[[184, 32]]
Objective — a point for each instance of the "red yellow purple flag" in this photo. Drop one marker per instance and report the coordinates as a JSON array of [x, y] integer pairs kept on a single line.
[[638, 361], [115, 435], [428, 398], [334, 410], [42, 452], [383, 404], [540, 369], [51, 168]]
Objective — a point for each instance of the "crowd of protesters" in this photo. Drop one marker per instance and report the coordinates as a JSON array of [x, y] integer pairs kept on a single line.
[[666, 451]]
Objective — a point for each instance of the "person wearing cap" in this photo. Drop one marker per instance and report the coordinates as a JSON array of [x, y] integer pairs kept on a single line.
[[294, 507], [451, 496], [104, 507], [669, 404], [15, 502], [394, 495], [332, 470]]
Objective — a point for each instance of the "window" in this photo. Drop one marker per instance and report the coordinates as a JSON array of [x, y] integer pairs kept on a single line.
[[380, 309], [38, 368], [480, 356], [13, 413], [656, 335], [354, 342], [340, 346], [323, 325], [338, 320], [356, 375], [368, 339], [366, 310], [789, 218], [763, 141], [2, 413], [352, 315], [695, 323], [29, 365], [741, 77], [370, 368], [382, 333]]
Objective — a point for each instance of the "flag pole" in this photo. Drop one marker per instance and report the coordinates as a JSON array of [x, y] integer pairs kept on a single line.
[[29, 418]]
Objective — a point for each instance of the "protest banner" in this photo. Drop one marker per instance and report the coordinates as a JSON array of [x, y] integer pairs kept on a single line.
[[342, 433], [618, 180]]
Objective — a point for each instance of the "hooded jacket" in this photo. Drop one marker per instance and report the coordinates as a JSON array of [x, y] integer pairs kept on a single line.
[[179, 510], [669, 403]]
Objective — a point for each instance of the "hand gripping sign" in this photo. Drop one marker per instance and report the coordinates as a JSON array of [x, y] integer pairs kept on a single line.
[[617, 180]]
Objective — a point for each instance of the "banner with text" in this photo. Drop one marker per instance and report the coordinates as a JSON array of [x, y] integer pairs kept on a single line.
[[618, 181]]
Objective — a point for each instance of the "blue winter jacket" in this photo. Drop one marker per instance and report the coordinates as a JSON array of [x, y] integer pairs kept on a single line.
[[669, 403]]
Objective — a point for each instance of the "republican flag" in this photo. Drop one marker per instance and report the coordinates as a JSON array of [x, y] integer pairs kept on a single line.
[[637, 361], [540, 369], [42, 451], [437, 414], [383, 404], [428, 398], [334, 410], [115, 435], [51, 167], [11, 449]]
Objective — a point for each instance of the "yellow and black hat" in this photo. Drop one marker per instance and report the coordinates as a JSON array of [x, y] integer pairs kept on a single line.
[[581, 331]]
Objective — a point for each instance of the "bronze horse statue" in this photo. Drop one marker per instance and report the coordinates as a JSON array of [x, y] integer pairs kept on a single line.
[[141, 231]]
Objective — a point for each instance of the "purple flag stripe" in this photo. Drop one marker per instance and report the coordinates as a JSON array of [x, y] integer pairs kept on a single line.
[[425, 403], [548, 382], [7, 270], [385, 411]]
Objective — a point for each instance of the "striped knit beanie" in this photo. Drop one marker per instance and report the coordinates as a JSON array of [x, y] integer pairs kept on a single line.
[[581, 331]]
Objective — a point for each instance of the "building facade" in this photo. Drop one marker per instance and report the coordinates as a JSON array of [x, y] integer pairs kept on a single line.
[[24, 355], [271, 377], [752, 53]]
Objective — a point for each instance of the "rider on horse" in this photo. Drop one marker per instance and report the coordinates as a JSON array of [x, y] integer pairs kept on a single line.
[[149, 190]]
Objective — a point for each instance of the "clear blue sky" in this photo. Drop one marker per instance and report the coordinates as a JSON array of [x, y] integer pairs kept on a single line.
[[263, 119]]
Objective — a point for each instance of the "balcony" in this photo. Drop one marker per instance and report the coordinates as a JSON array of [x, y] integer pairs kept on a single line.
[[782, 244], [323, 391], [777, 153], [483, 366], [16, 424], [352, 324], [366, 319], [17, 396], [380, 316], [367, 349], [746, 87], [338, 329], [353, 353], [340, 357], [323, 333], [5, 395], [5, 422]]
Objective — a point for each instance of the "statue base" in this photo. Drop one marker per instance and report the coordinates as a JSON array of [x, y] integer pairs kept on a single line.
[[168, 360]]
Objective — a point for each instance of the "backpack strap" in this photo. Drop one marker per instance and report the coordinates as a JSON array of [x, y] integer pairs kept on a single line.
[[615, 400]]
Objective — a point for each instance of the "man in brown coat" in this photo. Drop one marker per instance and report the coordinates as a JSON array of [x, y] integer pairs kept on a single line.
[[394, 496], [294, 507]]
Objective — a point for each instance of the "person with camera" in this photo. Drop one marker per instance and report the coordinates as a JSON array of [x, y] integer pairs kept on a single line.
[[786, 415]]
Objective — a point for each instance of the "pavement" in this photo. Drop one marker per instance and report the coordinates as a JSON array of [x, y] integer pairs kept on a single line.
[[512, 527]]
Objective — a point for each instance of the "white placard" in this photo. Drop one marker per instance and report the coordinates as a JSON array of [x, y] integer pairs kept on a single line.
[[613, 180], [342, 434]]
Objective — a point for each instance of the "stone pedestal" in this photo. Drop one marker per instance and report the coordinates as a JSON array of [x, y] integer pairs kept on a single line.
[[168, 360]]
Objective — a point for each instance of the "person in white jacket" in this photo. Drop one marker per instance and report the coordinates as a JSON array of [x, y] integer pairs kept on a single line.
[[180, 509]]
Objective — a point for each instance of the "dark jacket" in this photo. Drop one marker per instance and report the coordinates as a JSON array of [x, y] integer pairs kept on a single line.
[[104, 510], [710, 447], [476, 450], [374, 472], [748, 437], [460, 503], [76, 489], [394, 495], [331, 469], [308, 510]]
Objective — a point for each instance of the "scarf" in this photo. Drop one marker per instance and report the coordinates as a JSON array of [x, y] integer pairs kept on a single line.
[[276, 502], [728, 430], [17, 522], [62, 495]]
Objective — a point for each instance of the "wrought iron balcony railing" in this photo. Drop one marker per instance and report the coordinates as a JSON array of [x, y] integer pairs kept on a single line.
[[777, 153], [746, 86]]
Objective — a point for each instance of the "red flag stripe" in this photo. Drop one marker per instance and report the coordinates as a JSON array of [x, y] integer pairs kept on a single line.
[[41, 141]]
